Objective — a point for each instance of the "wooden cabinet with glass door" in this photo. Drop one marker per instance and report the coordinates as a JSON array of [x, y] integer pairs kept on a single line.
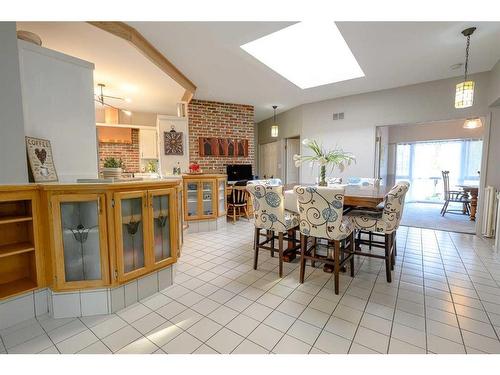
[[204, 196], [221, 196], [131, 234], [162, 228], [79, 241]]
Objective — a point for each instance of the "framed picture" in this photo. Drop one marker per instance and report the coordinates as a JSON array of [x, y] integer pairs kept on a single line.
[[40, 161], [173, 143], [209, 146]]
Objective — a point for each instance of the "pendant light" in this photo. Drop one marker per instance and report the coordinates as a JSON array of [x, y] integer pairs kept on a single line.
[[464, 95], [274, 127], [472, 123]]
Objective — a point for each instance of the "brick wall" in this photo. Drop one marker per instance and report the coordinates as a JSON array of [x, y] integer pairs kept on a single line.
[[129, 153], [220, 120]]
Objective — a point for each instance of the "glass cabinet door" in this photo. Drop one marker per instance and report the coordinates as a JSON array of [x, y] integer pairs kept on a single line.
[[80, 240], [130, 231], [162, 205], [221, 209], [192, 206], [207, 198]]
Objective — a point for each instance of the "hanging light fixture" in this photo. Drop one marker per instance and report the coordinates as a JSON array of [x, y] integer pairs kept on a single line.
[[101, 99], [274, 127], [472, 123], [464, 94]]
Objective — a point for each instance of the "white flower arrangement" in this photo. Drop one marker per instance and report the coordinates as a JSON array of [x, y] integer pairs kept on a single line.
[[334, 158]]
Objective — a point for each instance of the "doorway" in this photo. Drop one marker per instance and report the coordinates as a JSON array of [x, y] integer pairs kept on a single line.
[[292, 173], [418, 153]]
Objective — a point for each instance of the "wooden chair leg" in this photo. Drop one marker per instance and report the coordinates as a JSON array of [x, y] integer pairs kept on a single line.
[[388, 258], [314, 243], [234, 215], [256, 248], [393, 256], [270, 235], [280, 246], [336, 265], [351, 252], [303, 244], [370, 239], [395, 246]]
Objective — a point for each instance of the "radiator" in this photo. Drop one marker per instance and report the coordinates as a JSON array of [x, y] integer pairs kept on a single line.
[[489, 211]]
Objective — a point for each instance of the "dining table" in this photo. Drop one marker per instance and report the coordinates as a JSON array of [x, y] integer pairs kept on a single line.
[[473, 191], [358, 196], [355, 196]]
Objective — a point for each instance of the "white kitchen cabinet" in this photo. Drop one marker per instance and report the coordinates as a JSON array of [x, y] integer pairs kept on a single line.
[[148, 144]]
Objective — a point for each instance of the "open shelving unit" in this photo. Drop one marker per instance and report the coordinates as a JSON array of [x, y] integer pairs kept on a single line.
[[18, 272]]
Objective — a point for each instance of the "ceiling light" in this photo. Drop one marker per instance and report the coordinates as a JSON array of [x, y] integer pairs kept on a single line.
[[472, 123], [274, 126], [128, 100], [308, 54], [464, 93], [128, 113]]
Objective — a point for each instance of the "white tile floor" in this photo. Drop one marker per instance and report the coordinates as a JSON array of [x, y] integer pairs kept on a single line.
[[445, 298]]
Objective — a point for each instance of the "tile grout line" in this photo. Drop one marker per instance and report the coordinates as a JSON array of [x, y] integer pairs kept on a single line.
[[451, 294], [480, 300], [397, 293]]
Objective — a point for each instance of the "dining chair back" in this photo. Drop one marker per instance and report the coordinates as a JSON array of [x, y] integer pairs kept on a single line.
[[270, 215], [321, 217], [455, 196], [321, 211]]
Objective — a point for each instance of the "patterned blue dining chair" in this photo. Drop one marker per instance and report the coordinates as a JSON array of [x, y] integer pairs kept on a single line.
[[271, 216], [383, 223], [321, 218]]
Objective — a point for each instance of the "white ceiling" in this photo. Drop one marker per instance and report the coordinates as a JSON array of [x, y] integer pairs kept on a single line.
[[391, 54], [118, 64]]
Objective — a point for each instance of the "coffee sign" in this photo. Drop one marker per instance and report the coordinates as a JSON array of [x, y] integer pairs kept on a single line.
[[40, 162]]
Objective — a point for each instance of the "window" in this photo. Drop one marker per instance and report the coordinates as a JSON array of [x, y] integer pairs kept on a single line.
[[421, 163]]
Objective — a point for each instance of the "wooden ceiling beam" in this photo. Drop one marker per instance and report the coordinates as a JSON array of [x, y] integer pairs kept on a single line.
[[131, 35]]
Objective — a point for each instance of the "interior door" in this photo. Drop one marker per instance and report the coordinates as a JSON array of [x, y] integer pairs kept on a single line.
[[292, 172], [162, 230], [269, 159], [80, 237], [131, 230]]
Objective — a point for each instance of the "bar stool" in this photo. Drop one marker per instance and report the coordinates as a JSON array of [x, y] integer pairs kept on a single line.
[[383, 223], [321, 217], [270, 215], [237, 201]]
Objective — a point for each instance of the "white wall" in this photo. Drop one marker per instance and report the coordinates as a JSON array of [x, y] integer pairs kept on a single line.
[[58, 105], [424, 102], [13, 164], [494, 92], [168, 162]]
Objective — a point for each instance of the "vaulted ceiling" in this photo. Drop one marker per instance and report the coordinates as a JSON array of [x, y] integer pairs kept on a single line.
[[391, 54]]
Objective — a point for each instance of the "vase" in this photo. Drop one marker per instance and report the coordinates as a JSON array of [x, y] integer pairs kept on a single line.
[[322, 175]]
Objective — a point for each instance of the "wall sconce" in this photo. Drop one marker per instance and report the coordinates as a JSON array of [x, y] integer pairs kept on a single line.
[[472, 123]]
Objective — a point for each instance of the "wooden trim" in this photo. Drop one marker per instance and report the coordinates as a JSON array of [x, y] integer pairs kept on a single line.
[[131, 35], [187, 97]]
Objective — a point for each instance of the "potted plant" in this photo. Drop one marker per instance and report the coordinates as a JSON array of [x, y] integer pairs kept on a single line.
[[333, 158], [112, 168]]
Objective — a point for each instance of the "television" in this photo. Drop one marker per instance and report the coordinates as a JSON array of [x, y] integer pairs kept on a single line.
[[238, 172]]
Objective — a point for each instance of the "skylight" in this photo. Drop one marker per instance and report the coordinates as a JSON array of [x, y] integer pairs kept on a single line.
[[308, 54]]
